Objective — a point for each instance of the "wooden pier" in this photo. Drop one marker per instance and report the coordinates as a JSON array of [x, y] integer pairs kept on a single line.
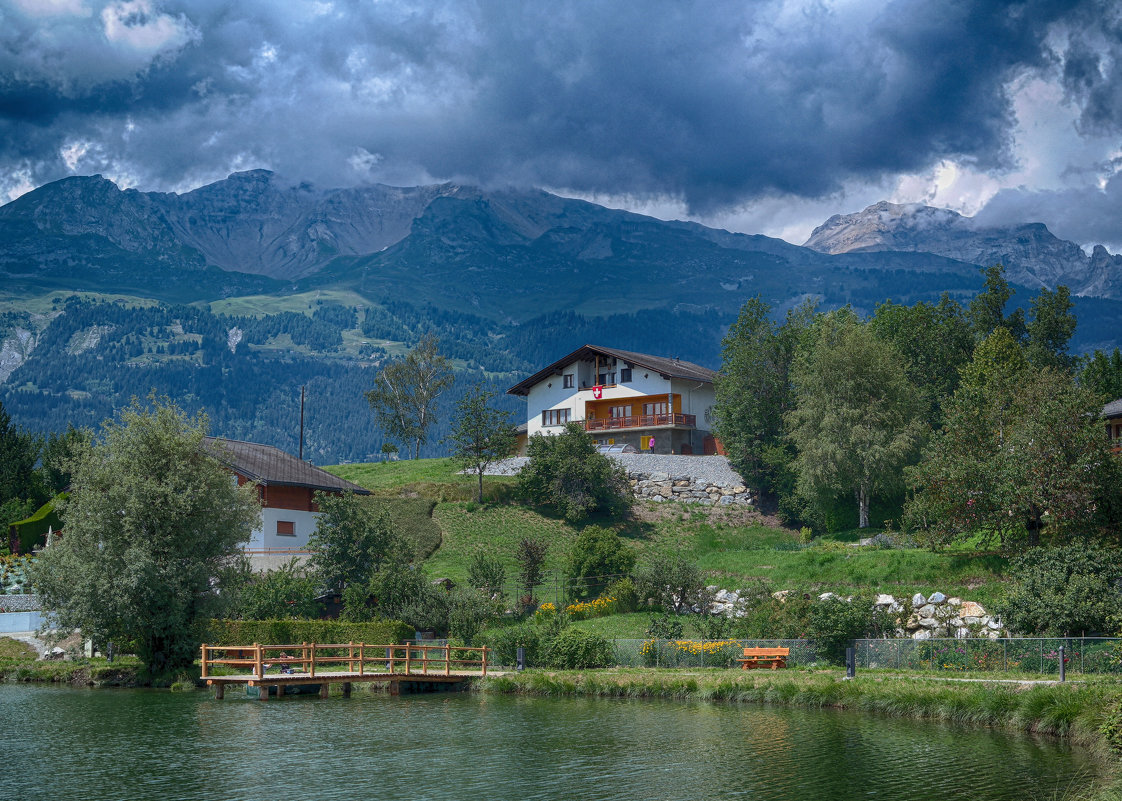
[[281, 666]]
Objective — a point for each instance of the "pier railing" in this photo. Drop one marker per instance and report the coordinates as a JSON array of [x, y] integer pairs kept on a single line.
[[355, 659]]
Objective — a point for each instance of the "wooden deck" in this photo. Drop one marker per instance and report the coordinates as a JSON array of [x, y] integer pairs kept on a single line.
[[414, 666]]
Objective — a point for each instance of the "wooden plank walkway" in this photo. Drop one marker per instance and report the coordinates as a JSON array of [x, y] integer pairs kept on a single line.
[[409, 664]]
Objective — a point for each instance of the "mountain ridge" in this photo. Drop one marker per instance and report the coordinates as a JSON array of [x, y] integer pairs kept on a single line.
[[1031, 254]]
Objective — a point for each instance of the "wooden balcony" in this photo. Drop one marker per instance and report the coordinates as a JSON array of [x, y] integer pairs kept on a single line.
[[641, 421]]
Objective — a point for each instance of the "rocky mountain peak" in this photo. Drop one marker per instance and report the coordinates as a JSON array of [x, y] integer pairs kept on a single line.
[[1031, 254]]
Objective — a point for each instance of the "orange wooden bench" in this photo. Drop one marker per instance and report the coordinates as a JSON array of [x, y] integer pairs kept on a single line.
[[773, 658]]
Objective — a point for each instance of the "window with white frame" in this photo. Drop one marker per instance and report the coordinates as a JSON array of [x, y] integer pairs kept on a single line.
[[555, 417]]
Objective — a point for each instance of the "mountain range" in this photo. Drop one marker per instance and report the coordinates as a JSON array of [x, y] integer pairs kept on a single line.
[[232, 296]]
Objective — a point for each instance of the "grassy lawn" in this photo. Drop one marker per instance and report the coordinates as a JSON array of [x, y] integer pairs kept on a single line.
[[734, 551], [430, 478], [732, 556]]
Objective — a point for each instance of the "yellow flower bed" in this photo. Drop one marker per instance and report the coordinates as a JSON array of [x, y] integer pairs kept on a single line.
[[588, 609], [711, 652]]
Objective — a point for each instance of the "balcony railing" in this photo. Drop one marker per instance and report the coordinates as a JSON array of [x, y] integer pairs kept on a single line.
[[641, 421]]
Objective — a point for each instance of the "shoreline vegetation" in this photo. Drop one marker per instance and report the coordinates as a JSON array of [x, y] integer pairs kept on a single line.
[[1086, 712]]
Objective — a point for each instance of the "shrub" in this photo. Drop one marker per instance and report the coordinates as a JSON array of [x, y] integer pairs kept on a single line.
[[625, 593], [486, 573], [665, 628], [671, 581], [469, 612], [833, 623], [577, 649], [289, 632], [713, 627], [1062, 590], [280, 593], [505, 641], [569, 475], [530, 555], [595, 554], [769, 618]]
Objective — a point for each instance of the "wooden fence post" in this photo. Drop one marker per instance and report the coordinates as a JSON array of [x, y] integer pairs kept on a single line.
[[258, 660], [204, 672], [312, 648], [447, 659]]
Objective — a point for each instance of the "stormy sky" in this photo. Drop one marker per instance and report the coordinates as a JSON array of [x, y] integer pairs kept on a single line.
[[754, 116]]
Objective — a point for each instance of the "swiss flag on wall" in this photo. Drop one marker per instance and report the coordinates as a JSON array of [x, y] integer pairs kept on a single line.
[[597, 391]]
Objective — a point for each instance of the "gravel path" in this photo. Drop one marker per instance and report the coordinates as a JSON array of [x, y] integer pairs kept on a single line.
[[711, 469]]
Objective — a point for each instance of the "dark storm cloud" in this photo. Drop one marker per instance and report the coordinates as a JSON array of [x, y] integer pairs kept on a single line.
[[716, 102], [1088, 215]]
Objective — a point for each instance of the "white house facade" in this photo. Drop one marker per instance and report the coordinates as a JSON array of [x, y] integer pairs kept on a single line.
[[654, 403], [286, 487]]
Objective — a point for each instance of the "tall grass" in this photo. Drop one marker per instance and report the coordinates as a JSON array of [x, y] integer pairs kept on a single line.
[[1074, 711]]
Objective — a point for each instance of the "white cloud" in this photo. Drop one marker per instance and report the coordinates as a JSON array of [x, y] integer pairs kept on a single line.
[[73, 152], [17, 182], [137, 25], [363, 161]]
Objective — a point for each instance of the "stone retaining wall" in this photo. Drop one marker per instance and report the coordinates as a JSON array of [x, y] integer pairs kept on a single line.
[[19, 603], [661, 487]]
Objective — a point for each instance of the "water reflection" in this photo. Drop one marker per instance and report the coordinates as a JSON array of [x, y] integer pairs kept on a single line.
[[74, 744]]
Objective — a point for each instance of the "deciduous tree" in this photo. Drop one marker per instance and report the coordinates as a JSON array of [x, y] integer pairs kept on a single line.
[[405, 392], [1020, 448], [567, 473], [352, 540], [1102, 374], [481, 435], [856, 420], [935, 341], [150, 521], [753, 390]]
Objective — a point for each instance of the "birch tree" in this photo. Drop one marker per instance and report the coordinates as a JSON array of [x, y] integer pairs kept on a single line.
[[405, 392], [856, 419]]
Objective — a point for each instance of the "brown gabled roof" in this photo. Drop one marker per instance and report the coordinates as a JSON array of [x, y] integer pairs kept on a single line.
[[272, 466], [667, 368]]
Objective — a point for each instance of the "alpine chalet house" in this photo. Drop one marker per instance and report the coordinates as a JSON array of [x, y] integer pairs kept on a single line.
[[656, 404], [285, 487]]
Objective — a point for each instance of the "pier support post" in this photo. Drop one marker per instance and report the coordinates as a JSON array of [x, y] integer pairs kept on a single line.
[[346, 689], [324, 690], [219, 691]]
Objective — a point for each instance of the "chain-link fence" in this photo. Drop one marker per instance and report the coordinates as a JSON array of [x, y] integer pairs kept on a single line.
[[1022, 655], [702, 653]]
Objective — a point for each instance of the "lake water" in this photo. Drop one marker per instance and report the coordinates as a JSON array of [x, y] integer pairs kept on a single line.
[[61, 744]]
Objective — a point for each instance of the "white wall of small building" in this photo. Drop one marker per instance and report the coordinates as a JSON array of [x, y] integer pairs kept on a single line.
[[266, 538]]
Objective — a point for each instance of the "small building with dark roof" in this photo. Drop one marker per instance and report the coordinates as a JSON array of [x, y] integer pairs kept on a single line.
[[1112, 414], [655, 403], [285, 486]]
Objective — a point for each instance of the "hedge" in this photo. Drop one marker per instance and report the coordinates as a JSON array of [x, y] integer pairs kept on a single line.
[[291, 632], [32, 532]]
